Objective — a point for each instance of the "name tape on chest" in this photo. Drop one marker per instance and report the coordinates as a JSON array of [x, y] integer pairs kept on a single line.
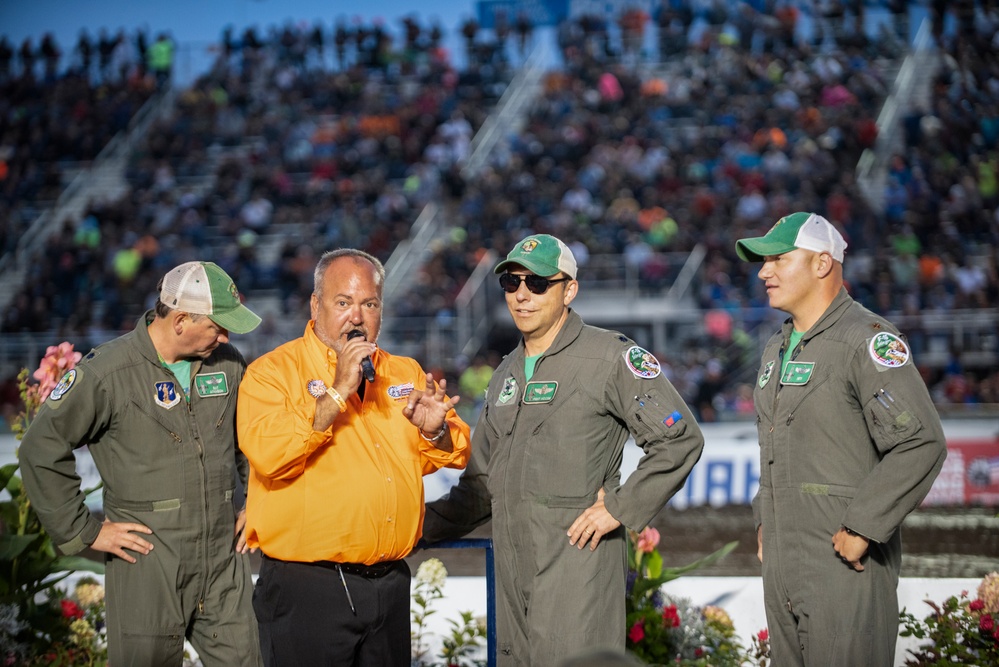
[[798, 372], [540, 392], [211, 384]]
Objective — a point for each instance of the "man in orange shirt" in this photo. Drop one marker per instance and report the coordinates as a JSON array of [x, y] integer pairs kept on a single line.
[[339, 433]]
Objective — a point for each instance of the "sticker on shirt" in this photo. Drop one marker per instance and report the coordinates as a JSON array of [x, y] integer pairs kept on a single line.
[[641, 362], [768, 370], [211, 384], [798, 372], [508, 391], [398, 391], [673, 418], [888, 350], [65, 384], [540, 392], [167, 395]]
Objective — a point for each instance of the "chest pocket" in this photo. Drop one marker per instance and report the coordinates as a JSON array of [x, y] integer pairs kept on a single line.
[[558, 440], [146, 463]]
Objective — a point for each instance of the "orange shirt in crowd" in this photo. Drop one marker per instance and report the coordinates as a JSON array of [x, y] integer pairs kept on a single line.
[[352, 493]]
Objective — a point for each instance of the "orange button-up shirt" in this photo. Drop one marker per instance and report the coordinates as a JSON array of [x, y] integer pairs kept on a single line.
[[352, 493]]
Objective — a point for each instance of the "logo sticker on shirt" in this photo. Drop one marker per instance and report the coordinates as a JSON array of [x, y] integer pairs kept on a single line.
[[398, 391], [641, 362], [540, 392], [888, 350], [798, 372], [767, 372], [65, 384], [211, 384], [508, 391], [166, 395]]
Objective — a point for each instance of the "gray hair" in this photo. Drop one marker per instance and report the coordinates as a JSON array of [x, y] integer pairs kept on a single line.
[[331, 256]]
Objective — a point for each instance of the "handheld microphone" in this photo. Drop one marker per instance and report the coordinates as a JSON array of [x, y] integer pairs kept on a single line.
[[366, 367]]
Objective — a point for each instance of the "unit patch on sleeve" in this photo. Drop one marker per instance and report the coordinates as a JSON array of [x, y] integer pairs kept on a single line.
[[641, 362], [211, 384], [65, 384], [887, 349]]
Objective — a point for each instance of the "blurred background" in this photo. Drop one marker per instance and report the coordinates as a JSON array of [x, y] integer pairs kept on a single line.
[[647, 134]]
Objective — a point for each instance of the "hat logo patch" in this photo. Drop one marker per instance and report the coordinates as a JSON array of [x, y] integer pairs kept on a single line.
[[233, 291], [888, 350], [166, 395], [641, 362], [529, 245]]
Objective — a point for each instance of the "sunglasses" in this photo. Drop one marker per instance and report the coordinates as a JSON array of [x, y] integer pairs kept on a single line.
[[535, 284]]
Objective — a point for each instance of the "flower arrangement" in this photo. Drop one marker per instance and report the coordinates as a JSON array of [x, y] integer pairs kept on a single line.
[[467, 635], [33, 616], [960, 631], [670, 630]]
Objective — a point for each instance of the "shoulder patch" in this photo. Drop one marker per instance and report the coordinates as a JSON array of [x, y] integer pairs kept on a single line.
[[889, 350], [641, 362], [65, 384]]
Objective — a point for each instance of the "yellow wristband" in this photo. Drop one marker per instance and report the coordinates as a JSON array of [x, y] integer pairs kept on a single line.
[[338, 398]]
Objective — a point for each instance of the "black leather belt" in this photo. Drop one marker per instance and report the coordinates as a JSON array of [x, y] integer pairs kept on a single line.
[[367, 571]]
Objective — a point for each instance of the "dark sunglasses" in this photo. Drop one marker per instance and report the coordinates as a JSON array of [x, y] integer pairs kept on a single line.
[[536, 284]]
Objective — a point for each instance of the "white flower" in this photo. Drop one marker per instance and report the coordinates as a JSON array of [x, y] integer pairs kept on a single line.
[[89, 594], [431, 572]]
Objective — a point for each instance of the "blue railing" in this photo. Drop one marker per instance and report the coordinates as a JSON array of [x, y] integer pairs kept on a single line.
[[487, 544]]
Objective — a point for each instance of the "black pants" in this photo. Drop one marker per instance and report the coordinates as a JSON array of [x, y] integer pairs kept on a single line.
[[305, 615]]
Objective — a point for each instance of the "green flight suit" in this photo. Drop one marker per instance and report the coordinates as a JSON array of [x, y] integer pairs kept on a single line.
[[169, 465], [540, 452], [848, 437]]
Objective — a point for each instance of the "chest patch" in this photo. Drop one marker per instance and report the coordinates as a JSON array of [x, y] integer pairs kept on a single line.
[[768, 370], [211, 384], [508, 391], [540, 392], [65, 384], [798, 372], [887, 349], [641, 362], [398, 391], [167, 395]]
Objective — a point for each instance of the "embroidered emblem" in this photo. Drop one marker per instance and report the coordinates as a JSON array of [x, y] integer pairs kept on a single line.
[[641, 362], [798, 372], [233, 291], [398, 391], [211, 384], [540, 392], [166, 395], [673, 418], [767, 372], [508, 391], [65, 384], [529, 245], [889, 350]]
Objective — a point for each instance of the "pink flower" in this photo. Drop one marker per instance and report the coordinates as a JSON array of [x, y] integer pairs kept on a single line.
[[985, 622], [763, 635], [58, 360], [648, 540], [637, 632], [671, 619], [976, 605]]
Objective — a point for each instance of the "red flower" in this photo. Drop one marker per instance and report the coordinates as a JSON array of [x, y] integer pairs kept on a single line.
[[637, 632], [976, 605], [70, 609], [698, 652], [763, 635], [985, 622], [671, 619]]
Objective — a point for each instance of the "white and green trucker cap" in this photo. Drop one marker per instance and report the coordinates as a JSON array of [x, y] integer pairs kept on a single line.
[[808, 231], [203, 288]]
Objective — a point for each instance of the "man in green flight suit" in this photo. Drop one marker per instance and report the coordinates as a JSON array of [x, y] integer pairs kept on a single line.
[[546, 459], [157, 409], [850, 443]]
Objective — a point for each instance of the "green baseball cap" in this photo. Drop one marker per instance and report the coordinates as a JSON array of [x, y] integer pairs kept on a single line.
[[542, 254], [203, 288], [808, 231]]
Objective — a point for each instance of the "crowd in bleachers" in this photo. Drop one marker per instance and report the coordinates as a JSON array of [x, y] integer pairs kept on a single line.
[[340, 138]]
